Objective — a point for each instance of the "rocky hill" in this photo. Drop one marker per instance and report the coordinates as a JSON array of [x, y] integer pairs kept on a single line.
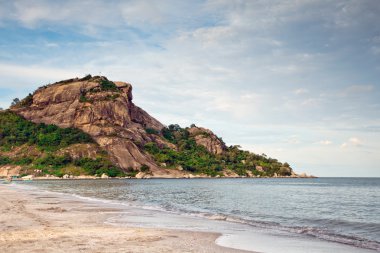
[[124, 134]]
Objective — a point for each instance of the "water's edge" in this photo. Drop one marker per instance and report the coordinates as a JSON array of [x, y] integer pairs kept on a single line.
[[236, 233]]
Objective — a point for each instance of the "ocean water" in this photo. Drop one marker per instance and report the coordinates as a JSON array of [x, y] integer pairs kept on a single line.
[[300, 215]]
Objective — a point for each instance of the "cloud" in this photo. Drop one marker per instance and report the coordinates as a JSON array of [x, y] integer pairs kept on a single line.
[[311, 102], [356, 89], [272, 68], [300, 91], [325, 142], [35, 72], [352, 142], [294, 139]]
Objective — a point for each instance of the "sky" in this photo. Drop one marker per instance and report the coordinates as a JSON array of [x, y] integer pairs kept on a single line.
[[297, 80]]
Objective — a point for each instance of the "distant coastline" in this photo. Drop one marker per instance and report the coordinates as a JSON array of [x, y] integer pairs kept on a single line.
[[147, 176]]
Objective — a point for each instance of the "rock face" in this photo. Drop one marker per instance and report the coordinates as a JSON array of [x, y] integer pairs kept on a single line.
[[208, 139], [104, 110], [100, 108]]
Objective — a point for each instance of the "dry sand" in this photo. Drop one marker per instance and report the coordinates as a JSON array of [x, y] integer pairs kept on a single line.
[[35, 222]]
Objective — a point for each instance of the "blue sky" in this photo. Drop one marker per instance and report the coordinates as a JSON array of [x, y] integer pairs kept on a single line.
[[296, 80]]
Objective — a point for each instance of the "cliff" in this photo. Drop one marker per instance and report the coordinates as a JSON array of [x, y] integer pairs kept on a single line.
[[134, 140], [107, 113]]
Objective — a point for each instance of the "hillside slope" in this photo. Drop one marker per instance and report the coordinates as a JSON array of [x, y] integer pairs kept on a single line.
[[132, 139]]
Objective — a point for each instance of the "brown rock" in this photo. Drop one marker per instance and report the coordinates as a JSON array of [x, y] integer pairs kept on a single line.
[[110, 117], [208, 139], [259, 168], [9, 170]]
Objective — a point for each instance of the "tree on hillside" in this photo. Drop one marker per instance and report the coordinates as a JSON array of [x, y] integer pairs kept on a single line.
[[15, 101]]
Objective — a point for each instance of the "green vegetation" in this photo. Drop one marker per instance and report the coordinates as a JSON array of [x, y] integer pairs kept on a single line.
[[27, 101], [144, 168], [57, 165], [197, 159], [83, 98], [15, 101], [16, 131], [5, 160], [131, 172], [98, 166], [151, 131], [106, 85]]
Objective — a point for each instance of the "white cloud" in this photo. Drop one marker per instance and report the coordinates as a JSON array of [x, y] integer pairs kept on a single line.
[[300, 91], [311, 102], [294, 139], [352, 142], [34, 72], [257, 64], [325, 142]]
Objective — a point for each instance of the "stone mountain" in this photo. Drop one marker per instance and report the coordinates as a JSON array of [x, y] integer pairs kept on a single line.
[[133, 139]]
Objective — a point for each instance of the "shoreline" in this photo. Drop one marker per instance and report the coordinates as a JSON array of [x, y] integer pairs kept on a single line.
[[74, 211], [28, 178], [49, 222]]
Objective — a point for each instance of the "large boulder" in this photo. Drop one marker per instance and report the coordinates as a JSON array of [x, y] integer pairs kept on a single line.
[[208, 139], [107, 114]]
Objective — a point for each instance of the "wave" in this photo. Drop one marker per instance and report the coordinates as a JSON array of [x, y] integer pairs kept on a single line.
[[316, 232], [318, 229]]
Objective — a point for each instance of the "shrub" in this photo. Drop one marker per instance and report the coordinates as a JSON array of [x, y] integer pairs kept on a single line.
[[83, 98], [5, 160], [131, 172], [152, 148], [107, 85], [167, 134], [27, 101], [53, 161], [23, 161], [15, 102], [144, 168], [58, 173], [98, 166], [151, 131]]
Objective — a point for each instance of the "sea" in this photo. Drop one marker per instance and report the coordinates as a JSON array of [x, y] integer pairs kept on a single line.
[[257, 214]]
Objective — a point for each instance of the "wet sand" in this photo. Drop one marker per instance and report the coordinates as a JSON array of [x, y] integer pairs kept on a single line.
[[39, 222]]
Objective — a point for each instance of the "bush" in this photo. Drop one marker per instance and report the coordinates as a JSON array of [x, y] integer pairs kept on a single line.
[[131, 172], [99, 166], [152, 148], [53, 161], [27, 101], [23, 161], [83, 98], [151, 131], [5, 160], [144, 168], [58, 173], [167, 134], [107, 85]]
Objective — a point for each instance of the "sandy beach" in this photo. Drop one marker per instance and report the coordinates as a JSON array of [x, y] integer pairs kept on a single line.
[[39, 222]]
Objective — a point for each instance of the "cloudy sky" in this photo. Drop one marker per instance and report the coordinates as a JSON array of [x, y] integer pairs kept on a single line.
[[297, 80]]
